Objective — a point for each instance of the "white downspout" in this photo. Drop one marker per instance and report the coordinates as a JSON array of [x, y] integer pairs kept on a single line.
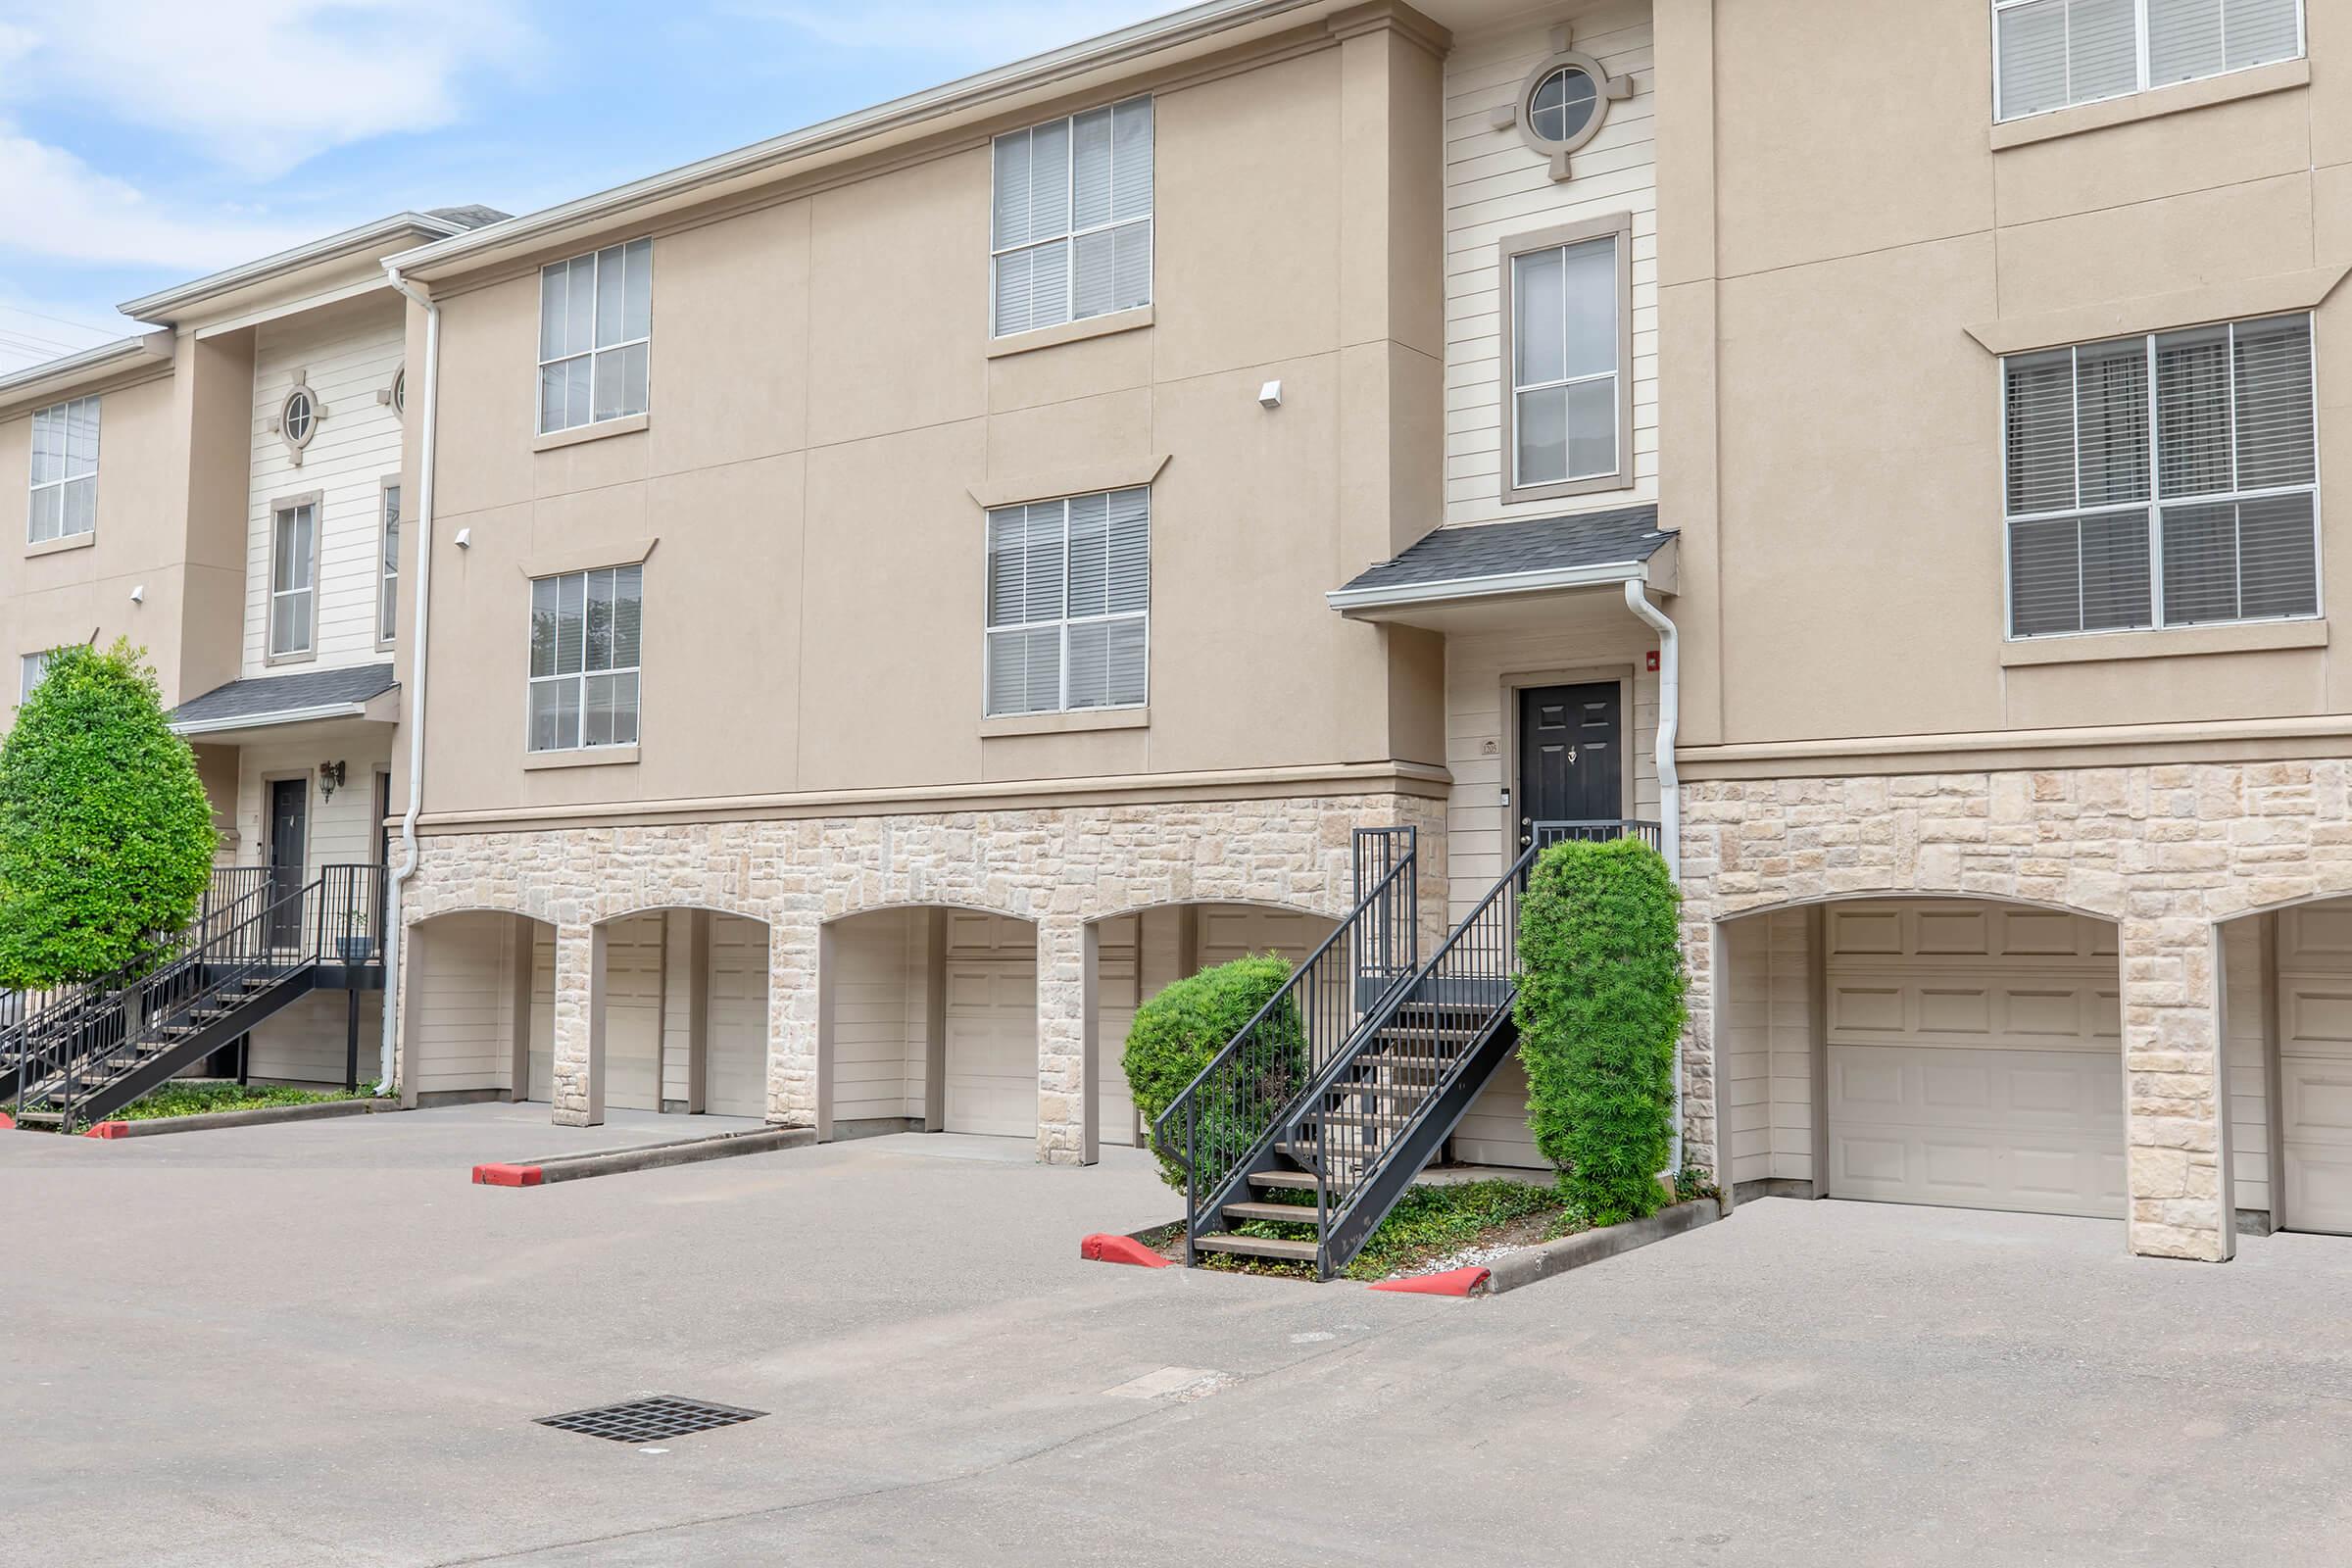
[[1670, 794], [397, 877]]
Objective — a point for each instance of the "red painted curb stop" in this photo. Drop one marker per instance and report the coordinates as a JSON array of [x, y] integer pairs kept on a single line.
[[109, 1129], [8, 1123], [505, 1175], [1100, 1249], [1453, 1281]]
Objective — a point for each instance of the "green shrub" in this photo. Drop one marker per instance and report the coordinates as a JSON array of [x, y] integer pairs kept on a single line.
[[106, 837], [1179, 1031], [1601, 1013]]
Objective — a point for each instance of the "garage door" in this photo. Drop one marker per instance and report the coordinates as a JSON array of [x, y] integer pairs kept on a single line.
[[633, 1013], [736, 1079], [991, 1026], [2315, 1065], [1975, 1058]]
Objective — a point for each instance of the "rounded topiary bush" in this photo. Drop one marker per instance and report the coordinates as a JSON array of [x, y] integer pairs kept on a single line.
[[1181, 1030], [1600, 1014], [106, 837]]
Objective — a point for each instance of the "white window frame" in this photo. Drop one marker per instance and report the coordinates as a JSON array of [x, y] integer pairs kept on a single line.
[[387, 551], [32, 668], [271, 654], [582, 675], [1617, 227], [2140, 22], [1065, 620], [595, 260], [1070, 236], [2156, 502], [34, 487]]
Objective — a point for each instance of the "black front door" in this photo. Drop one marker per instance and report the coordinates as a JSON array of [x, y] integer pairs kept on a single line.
[[1571, 766], [289, 833]]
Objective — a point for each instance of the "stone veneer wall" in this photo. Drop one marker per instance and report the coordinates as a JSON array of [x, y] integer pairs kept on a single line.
[[2165, 852], [1059, 868]]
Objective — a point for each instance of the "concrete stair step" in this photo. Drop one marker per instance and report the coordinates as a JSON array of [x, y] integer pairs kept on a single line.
[[1278, 1213], [1258, 1247]]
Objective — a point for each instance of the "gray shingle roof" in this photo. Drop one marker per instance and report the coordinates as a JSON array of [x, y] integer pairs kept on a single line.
[[1510, 548], [268, 695], [473, 216]]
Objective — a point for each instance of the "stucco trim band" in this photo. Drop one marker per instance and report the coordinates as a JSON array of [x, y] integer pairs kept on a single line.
[[2153, 104], [1049, 484], [589, 557], [2240, 299]]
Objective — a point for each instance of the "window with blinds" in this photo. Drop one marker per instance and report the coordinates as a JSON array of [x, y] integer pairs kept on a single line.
[[1072, 229], [2169, 480], [596, 329], [293, 577], [1565, 337], [585, 641], [1069, 588], [64, 472], [2052, 53]]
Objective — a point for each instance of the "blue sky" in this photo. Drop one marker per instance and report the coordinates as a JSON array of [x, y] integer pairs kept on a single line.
[[144, 142]]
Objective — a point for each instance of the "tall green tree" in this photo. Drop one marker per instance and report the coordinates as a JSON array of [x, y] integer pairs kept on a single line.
[[106, 837], [1600, 1014]]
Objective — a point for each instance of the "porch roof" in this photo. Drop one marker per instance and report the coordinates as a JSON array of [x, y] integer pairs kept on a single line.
[[1593, 549], [350, 692]]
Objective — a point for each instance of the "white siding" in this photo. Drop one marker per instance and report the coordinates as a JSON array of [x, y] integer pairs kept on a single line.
[[343, 828], [2247, 1054], [736, 1073], [633, 1012], [877, 987], [464, 1021], [1764, 1047], [347, 358], [308, 1043], [1495, 187]]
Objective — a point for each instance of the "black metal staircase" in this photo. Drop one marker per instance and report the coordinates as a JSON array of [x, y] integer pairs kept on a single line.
[[94, 1050], [1365, 1116]]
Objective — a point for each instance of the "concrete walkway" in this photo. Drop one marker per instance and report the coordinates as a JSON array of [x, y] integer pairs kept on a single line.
[[291, 1347]]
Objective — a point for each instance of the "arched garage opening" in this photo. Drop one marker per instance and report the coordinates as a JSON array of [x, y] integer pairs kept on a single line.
[[1137, 953], [927, 1022], [684, 993], [481, 989], [2286, 987], [1933, 1050]]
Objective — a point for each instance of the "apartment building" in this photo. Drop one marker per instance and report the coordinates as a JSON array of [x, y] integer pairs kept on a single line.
[[226, 492], [903, 592]]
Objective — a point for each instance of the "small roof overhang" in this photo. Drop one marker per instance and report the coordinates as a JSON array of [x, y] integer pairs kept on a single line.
[[1489, 576], [53, 379], [264, 705]]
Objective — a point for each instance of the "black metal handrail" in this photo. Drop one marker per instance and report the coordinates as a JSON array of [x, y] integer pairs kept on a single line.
[[257, 936], [1412, 1047], [1241, 1097]]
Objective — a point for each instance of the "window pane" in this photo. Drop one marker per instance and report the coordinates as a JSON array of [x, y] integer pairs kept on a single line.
[[624, 710], [1113, 270], [2257, 32], [579, 315], [1591, 307], [1008, 560], [1127, 684], [2277, 557], [543, 626], [610, 278], [79, 504], [1591, 428], [290, 622], [2045, 585], [1131, 158], [282, 574], [552, 380], [1543, 454], [637, 304], [568, 713], [596, 715], [1024, 664], [2115, 572], [632, 378], [1050, 180], [570, 616], [1050, 285], [2275, 442], [1090, 558], [1130, 549], [2192, 411], [2033, 64], [609, 399], [2184, 40], [1010, 221], [1042, 567], [2111, 400], [576, 403], [2102, 49], [600, 620], [1539, 311], [82, 436], [2201, 563], [387, 613], [1089, 665], [47, 446], [629, 612], [47, 507], [1013, 292], [2038, 429], [546, 704], [1090, 173], [551, 295]]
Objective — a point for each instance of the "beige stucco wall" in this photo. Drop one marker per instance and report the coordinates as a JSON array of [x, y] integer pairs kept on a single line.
[[823, 399], [1831, 430]]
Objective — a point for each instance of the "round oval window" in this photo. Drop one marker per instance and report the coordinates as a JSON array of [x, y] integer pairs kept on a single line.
[[297, 420], [1562, 104], [400, 392]]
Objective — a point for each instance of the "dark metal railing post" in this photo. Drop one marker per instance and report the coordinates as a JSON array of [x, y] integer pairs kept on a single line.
[[1192, 1183]]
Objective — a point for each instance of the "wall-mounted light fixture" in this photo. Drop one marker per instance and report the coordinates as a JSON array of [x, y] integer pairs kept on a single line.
[[1269, 396], [330, 779], [138, 595]]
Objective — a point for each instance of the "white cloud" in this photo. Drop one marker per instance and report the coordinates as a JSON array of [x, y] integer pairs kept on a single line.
[[983, 34], [70, 211], [261, 85]]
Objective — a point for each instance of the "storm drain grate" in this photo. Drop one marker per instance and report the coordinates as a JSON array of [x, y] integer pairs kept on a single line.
[[650, 1420]]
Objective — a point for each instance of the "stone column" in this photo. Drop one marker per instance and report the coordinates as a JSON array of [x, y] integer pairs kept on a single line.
[[579, 1032], [1065, 1086], [796, 1092], [2175, 1090]]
